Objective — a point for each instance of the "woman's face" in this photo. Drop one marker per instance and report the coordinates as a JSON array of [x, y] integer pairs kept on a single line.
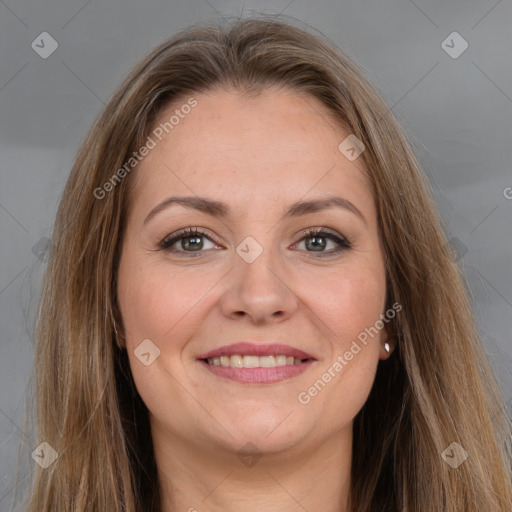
[[252, 171]]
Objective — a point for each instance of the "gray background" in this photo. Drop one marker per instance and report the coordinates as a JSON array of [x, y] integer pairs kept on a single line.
[[457, 110]]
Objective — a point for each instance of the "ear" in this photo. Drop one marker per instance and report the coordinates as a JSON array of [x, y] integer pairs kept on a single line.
[[121, 341], [119, 336]]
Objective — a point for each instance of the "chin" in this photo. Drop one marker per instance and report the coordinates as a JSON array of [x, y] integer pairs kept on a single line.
[[269, 430]]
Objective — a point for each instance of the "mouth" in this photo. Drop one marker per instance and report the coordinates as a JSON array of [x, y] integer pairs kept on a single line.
[[246, 361], [250, 363]]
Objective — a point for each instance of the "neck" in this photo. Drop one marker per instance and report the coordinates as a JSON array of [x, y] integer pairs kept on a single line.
[[206, 478]]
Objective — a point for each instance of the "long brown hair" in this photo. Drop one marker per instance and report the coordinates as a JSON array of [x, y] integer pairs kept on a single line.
[[436, 388]]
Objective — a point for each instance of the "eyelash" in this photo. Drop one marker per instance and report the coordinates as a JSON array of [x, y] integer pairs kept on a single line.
[[343, 242]]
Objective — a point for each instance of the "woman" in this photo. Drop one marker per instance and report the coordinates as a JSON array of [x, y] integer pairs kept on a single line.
[[250, 303]]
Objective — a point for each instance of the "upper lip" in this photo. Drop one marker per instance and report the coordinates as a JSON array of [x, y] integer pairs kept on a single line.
[[250, 349]]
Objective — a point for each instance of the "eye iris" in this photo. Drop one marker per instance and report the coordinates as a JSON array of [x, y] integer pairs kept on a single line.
[[315, 244], [196, 240]]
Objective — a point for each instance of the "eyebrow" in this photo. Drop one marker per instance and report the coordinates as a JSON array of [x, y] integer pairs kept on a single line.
[[222, 210]]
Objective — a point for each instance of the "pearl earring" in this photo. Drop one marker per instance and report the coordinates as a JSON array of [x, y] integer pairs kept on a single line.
[[386, 347]]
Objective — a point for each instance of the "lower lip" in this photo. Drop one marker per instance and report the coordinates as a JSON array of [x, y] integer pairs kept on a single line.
[[258, 375]]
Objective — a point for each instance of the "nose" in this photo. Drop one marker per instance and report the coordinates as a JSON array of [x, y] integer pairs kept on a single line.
[[259, 292]]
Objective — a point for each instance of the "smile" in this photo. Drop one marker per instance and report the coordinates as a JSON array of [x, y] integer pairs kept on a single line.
[[252, 363], [239, 361]]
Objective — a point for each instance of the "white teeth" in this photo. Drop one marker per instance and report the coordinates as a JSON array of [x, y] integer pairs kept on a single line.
[[267, 361], [239, 361], [280, 360], [236, 361], [251, 361]]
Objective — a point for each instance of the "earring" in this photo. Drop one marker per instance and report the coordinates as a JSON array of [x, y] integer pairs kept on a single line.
[[386, 347]]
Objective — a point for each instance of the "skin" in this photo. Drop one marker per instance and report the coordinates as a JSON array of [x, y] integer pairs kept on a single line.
[[257, 155]]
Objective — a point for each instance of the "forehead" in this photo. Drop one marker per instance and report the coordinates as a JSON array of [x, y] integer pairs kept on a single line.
[[248, 149]]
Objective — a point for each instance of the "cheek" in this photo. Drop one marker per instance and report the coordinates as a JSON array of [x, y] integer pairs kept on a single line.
[[348, 302], [341, 386], [160, 305], [142, 298], [158, 302]]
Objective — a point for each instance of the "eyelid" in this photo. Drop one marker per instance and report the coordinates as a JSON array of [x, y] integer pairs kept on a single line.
[[190, 231], [342, 241], [320, 229]]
